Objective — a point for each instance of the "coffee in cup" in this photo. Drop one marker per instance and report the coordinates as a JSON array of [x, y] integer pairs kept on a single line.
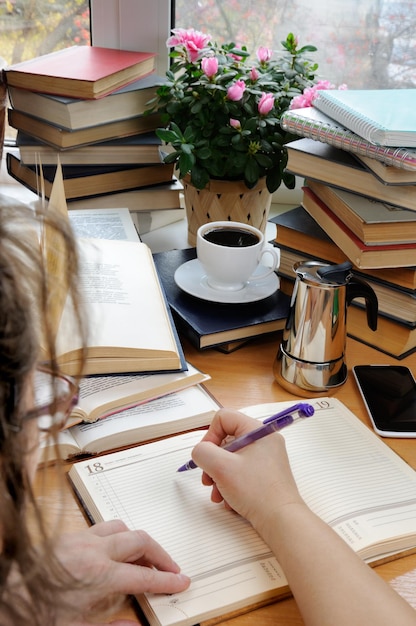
[[231, 252]]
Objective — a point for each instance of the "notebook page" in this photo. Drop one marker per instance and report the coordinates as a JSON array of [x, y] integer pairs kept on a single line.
[[351, 478], [220, 551], [337, 462]]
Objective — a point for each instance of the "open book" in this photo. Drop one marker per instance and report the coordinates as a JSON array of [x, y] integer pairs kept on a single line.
[[101, 396], [130, 324], [350, 478], [131, 329], [170, 414]]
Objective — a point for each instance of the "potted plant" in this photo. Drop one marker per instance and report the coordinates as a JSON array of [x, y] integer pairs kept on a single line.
[[221, 114]]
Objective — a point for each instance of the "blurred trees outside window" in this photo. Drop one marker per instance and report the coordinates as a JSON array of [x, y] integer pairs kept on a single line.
[[30, 28], [367, 44]]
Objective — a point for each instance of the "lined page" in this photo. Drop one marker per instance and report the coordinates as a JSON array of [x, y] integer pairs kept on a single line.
[[346, 474], [143, 488]]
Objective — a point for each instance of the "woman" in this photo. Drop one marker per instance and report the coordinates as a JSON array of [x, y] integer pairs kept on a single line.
[[53, 581]]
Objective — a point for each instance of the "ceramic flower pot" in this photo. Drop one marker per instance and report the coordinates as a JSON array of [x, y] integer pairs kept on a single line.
[[225, 200]]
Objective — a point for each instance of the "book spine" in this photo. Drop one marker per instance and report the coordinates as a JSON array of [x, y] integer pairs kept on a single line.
[[344, 139]]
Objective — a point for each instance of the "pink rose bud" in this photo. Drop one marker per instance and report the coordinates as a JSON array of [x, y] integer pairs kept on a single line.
[[266, 103], [254, 74], [235, 92], [264, 54], [235, 123], [209, 66]]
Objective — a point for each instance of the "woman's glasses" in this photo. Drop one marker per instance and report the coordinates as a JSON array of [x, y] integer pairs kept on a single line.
[[55, 397]]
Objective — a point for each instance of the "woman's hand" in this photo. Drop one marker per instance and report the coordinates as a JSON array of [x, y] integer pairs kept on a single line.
[[250, 479], [109, 559]]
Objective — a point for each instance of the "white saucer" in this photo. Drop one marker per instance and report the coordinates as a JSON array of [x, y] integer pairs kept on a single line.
[[191, 277]]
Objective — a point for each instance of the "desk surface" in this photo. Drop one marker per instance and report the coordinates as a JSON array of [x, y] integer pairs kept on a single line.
[[240, 379]]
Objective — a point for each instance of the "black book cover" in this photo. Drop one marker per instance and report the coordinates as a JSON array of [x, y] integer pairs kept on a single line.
[[207, 324]]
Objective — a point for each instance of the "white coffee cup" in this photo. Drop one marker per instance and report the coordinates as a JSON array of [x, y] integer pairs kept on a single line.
[[231, 252]]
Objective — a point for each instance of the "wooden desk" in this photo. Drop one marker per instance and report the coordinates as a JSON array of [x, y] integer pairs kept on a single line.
[[240, 379]]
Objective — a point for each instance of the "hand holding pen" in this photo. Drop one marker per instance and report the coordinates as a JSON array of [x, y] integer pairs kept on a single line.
[[270, 425]]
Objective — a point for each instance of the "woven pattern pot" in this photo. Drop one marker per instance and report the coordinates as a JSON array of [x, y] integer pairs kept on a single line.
[[225, 200]]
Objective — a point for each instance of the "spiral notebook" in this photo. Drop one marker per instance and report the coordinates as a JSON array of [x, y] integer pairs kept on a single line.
[[385, 117], [313, 124]]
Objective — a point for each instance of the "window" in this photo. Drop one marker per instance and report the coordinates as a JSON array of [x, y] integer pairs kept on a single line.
[[363, 43], [29, 29]]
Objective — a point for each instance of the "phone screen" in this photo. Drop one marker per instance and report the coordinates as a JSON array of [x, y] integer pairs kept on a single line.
[[389, 392]]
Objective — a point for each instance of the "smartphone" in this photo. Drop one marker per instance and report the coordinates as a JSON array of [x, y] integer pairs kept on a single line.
[[389, 393]]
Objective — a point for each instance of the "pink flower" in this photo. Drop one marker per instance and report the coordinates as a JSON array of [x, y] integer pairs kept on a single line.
[[234, 56], [209, 66], [254, 75], [323, 84], [266, 103], [235, 123], [306, 99], [264, 54], [235, 92], [193, 41]]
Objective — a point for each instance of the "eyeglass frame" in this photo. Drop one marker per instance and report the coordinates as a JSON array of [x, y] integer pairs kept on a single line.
[[63, 405]]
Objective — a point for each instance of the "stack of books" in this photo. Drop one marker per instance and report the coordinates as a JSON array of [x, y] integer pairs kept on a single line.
[[85, 108], [359, 203]]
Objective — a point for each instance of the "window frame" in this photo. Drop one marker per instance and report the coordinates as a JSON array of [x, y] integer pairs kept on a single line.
[[144, 25], [133, 24]]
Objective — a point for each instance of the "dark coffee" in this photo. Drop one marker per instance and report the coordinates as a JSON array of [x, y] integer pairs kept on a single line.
[[231, 237]]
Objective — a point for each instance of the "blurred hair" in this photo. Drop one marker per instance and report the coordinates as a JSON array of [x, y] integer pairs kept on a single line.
[[30, 581]]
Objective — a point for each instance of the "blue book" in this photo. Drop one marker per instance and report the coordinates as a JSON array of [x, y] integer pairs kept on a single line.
[[385, 117]]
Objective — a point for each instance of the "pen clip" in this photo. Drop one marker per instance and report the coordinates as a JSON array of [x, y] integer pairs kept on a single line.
[[305, 409]]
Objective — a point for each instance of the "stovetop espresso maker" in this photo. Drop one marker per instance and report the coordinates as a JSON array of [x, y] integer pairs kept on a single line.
[[311, 357]]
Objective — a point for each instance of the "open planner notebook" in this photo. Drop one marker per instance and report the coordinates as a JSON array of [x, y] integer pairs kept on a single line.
[[348, 476]]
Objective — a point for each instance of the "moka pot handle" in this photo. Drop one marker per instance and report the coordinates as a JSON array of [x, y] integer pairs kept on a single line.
[[357, 288]]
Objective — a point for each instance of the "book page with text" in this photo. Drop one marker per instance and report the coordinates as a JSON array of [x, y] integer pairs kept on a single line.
[[178, 411], [100, 396], [126, 307], [103, 224]]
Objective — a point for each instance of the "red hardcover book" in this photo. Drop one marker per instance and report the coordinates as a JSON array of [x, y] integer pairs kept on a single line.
[[81, 71]]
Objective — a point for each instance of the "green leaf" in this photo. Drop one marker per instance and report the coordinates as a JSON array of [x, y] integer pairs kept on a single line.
[[273, 179], [263, 160], [171, 157], [185, 163], [289, 180], [204, 153], [196, 107], [251, 172], [187, 148], [169, 136], [199, 178]]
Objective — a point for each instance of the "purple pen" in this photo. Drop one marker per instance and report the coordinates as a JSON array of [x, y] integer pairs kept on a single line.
[[270, 425]]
